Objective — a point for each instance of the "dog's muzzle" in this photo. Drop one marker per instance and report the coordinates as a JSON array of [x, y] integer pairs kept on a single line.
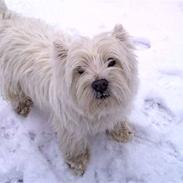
[[101, 88]]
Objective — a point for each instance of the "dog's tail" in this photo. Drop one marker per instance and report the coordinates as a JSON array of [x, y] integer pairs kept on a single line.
[[5, 13], [3, 9]]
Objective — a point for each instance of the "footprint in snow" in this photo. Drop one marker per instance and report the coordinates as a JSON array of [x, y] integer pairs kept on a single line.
[[141, 43]]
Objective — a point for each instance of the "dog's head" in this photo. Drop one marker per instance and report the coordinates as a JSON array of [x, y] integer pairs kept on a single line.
[[100, 73]]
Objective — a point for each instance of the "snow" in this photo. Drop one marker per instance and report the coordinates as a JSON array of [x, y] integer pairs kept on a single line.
[[28, 147]]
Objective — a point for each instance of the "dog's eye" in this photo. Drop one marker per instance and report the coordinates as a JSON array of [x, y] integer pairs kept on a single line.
[[80, 70], [112, 62]]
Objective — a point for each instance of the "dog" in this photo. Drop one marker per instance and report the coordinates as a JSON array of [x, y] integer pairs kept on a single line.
[[87, 84]]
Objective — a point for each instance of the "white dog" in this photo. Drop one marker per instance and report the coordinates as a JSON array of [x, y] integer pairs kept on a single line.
[[88, 85]]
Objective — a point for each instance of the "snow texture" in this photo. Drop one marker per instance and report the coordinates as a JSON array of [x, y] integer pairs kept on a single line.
[[28, 147]]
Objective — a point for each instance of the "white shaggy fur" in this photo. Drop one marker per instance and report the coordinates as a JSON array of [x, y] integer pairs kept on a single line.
[[38, 63]]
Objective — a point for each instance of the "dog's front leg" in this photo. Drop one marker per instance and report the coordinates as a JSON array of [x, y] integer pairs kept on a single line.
[[76, 151], [121, 132]]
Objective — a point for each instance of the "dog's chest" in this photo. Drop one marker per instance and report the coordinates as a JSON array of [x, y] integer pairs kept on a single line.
[[97, 125]]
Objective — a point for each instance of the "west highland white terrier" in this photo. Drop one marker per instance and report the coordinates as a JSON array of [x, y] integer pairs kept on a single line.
[[88, 85]]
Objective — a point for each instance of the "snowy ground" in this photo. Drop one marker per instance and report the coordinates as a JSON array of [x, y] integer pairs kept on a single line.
[[28, 147]]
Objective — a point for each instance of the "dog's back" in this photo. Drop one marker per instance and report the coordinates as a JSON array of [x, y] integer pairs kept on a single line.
[[25, 47]]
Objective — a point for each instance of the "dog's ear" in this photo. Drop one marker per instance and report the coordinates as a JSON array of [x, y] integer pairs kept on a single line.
[[120, 33], [60, 50]]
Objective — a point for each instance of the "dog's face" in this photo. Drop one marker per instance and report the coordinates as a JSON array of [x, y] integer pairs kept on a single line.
[[100, 72]]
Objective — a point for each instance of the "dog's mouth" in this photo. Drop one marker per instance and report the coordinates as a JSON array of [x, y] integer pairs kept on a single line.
[[102, 95]]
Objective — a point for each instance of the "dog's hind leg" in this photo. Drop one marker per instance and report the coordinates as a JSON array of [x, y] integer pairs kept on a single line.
[[24, 106], [21, 103]]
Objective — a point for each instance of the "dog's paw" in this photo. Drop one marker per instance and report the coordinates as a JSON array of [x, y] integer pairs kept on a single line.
[[79, 163], [121, 133], [24, 107]]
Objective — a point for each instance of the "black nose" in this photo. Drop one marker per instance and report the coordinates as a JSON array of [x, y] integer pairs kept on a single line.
[[100, 85]]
